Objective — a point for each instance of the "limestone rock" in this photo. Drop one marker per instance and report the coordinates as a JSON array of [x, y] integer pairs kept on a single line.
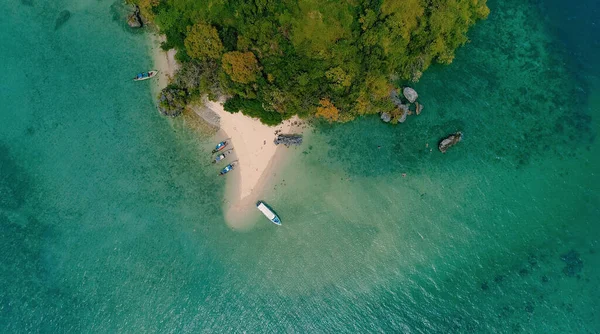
[[403, 117], [410, 94], [419, 108], [134, 20], [449, 141], [386, 117], [396, 98], [288, 139], [172, 101]]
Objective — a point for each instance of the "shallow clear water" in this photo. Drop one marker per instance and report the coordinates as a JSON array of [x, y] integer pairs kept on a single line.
[[110, 217]]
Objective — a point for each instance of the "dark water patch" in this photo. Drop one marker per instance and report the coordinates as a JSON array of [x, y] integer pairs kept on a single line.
[[14, 181], [573, 263], [32, 300], [62, 18], [27, 3]]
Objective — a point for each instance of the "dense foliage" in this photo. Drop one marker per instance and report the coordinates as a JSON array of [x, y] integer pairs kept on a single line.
[[336, 59]]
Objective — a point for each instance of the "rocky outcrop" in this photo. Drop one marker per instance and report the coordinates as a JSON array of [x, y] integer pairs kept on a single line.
[[419, 108], [404, 115], [449, 141], [386, 117], [172, 101], [410, 94], [134, 20], [288, 139]]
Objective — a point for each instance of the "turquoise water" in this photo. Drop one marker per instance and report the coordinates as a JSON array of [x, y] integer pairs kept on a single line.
[[111, 220]]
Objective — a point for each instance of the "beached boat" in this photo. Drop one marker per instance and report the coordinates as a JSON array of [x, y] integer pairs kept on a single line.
[[262, 207], [220, 146], [145, 75], [228, 168], [222, 156]]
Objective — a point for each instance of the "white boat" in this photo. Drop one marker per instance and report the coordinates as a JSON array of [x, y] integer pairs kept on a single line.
[[268, 213], [145, 75]]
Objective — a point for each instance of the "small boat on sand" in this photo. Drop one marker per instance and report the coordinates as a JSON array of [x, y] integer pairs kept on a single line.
[[145, 75], [262, 207], [228, 168], [220, 146], [222, 156]]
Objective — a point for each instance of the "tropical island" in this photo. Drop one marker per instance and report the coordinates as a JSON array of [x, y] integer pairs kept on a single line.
[[335, 60], [255, 70]]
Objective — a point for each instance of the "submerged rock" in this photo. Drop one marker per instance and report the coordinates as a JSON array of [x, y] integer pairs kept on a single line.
[[134, 20], [449, 141], [386, 117], [62, 18], [410, 94], [288, 139], [419, 108], [574, 264]]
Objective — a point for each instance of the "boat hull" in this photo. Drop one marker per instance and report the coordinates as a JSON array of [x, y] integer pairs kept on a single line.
[[151, 74], [268, 212]]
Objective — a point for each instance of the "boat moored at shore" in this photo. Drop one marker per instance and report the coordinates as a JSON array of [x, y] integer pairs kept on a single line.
[[228, 168], [222, 156], [221, 146], [262, 207], [145, 75]]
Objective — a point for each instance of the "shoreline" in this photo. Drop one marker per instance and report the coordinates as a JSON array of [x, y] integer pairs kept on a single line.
[[259, 159], [164, 62]]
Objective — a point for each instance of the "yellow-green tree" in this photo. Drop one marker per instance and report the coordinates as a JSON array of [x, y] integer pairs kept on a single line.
[[328, 111], [242, 67], [202, 41]]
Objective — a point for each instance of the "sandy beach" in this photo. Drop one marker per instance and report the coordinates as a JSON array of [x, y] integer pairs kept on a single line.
[[164, 62], [257, 156]]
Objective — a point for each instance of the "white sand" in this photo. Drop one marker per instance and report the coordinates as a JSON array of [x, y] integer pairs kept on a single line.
[[164, 62], [258, 157]]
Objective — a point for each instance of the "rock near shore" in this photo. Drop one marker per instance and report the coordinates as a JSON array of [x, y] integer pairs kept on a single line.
[[410, 94], [386, 117], [449, 141], [288, 139], [134, 20], [172, 101]]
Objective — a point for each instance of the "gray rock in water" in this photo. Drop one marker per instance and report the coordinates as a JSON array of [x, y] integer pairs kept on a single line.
[[410, 94], [386, 117], [449, 141], [62, 18], [288, 139], [396, 99], [134, 20], [404, 114]]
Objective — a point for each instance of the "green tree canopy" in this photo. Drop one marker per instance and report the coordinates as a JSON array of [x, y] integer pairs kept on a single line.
[[242, 67], [202, 41], [336, 58]]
